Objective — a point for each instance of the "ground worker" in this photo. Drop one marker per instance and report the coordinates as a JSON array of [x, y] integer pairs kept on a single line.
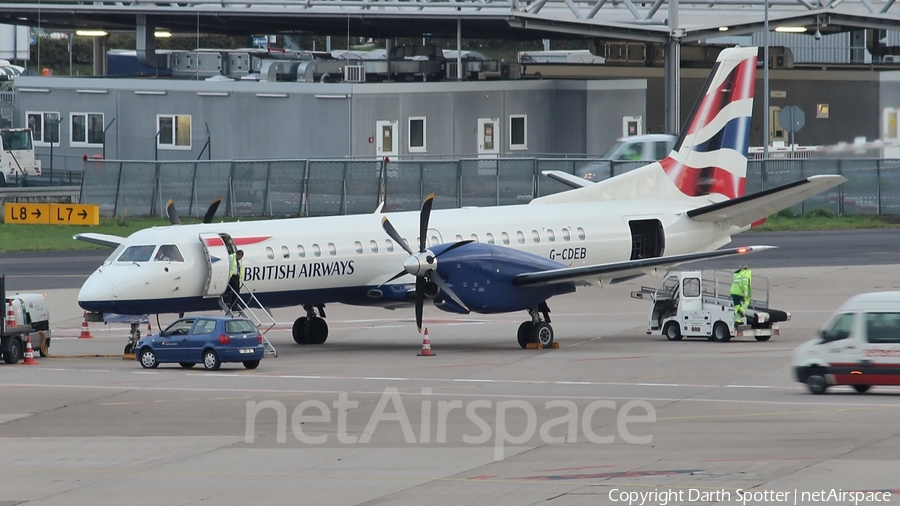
[[236, 273], [740, 292]]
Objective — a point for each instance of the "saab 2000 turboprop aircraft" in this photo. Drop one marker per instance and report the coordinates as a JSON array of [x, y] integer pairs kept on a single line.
[[482, 260]]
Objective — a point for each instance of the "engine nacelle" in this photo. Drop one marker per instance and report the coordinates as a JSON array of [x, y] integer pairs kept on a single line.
[[481, 276]]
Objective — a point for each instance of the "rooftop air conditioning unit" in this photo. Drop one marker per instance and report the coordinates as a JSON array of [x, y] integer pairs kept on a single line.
[[355, 73]]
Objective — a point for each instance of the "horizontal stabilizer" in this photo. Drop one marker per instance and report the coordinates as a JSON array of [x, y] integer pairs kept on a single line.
[[748, 209], [611, 272], [567, 179], [112, 241]]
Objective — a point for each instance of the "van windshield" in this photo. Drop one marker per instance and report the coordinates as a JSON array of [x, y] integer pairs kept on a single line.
[[611, 152]]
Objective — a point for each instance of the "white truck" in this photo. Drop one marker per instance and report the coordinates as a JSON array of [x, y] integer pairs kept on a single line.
[[698, 304], [31, 317], [17, 161]]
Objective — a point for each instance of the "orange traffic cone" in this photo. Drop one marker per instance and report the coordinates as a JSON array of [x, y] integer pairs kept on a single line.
[[85, 329], [426, 346], [29, 353], [10, 315]]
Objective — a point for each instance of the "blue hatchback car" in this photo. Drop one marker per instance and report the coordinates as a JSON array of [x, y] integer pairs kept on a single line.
[[207, 340]]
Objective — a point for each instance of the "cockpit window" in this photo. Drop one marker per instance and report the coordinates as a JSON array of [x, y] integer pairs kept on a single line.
[[137, 253], [114, 255], [168, 253]]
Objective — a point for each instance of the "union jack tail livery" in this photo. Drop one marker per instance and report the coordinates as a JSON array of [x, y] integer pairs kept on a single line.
[[710, 156]]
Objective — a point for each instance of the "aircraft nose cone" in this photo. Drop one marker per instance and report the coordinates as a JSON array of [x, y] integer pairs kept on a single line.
[[97, 290]]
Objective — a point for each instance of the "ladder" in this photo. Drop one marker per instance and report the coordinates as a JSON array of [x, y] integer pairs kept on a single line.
[[244, 309]]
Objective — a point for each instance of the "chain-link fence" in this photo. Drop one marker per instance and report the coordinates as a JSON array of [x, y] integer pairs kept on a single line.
[[341, 186]]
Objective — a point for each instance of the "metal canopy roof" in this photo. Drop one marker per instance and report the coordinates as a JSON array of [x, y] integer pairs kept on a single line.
[[504, 19]]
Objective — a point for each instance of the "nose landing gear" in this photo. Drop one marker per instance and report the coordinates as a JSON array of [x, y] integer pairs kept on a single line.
[[538, 330]]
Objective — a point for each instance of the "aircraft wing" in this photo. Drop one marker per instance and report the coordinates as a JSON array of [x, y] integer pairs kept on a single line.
[[567, 179], [749, 209], [111, 241], [619, 271]]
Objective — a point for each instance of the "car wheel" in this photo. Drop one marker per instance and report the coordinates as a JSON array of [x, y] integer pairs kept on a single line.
[[524, 334], [862, 388], [187, 365], [720, 333], [251, 364], [542, 333], [14, 353], [148, 359], [672, 331], [211, 360], [816, 382]]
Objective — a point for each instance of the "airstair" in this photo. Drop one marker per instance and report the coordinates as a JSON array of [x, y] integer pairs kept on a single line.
[[246, 311]]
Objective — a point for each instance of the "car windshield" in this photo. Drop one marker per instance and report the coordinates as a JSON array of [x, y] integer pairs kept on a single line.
[[611, 152], [138, 253], [239, 327]]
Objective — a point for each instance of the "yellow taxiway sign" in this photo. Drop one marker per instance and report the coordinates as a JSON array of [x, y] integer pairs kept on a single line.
[[56, 214]]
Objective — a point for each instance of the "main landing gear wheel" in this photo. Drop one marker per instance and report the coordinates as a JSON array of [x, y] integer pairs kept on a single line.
[[524, 334], [310, 330], [542, 332]]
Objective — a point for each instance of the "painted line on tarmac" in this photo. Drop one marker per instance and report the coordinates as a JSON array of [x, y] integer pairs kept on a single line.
[[669, 400]]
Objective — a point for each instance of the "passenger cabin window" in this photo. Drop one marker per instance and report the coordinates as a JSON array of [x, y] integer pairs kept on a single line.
[[301, 251], [316, 250], [389, 245], [458, 238], [332, 250], [137, 253], [883, 328], [435, 241], [520, 237], [551, 236], [841, 327], [475, 237], [270, 253], [374, 246], [691, 287], [359, 247], [581, 233], [168, 253], [205, 327], [565, 234], [490, 238], [504, 237], [535, 236], [285, 252]]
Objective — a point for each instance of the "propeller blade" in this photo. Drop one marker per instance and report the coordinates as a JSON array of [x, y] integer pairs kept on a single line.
[[454, 246], [172, 213], [211, 212], [395, 276], [391, 231], [420, 301], [436, 279], [424, 216]]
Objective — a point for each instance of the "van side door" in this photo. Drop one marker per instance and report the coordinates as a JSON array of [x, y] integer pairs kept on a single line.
[[841, 346], [880, 357]]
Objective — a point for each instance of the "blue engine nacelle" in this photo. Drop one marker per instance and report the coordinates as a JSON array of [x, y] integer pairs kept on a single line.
[[481, 276]]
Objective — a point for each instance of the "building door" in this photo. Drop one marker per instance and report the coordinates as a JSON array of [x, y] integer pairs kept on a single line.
[[488, 136], [632, 125], [386, 138], [776, 132]]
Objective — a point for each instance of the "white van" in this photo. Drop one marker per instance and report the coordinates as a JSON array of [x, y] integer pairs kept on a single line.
[[648, 148], [859, 346]]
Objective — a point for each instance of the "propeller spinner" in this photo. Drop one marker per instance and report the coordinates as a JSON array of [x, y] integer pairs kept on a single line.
[[423, 263]]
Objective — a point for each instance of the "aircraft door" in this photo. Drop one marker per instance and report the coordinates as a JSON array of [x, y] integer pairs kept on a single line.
[[216, 247]]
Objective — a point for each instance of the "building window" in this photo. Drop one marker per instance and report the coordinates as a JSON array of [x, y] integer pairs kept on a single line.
[[45, 127], [518, 131], [87, 129], [174, 131], [417, 135]]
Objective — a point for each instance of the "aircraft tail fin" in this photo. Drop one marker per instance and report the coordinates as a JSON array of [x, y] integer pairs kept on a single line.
[[709, 159]]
